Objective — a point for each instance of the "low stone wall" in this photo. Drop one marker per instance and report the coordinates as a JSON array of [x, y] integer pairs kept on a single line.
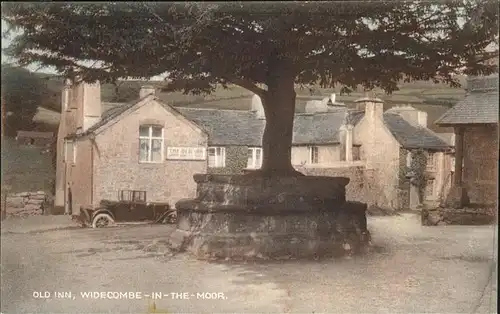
[[363, 186], [26, 203], [440, 216], [355, 190]]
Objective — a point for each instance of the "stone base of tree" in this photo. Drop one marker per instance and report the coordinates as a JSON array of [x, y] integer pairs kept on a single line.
[[241, 217], [472, 215]]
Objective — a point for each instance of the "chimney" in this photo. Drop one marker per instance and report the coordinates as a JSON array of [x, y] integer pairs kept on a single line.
[[373, 107], [88, 104], [66, 95], [146, 90], [422, 118], [257, 107], [411, 115]]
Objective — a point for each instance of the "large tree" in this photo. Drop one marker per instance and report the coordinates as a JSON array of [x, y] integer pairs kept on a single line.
[[265, 47]]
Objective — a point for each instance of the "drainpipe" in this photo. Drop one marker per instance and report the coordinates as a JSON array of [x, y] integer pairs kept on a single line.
[[92, 143], [348, 143]]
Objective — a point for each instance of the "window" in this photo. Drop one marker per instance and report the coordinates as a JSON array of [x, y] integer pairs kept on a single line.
[[429, 189], [216, 157], [74, 152], [313, 154], [151, 144], [69, 152], [356, 152], [408, 159], [431, 162], [254, 158]]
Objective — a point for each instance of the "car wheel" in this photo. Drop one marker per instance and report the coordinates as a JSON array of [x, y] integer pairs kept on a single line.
[[102, 220]]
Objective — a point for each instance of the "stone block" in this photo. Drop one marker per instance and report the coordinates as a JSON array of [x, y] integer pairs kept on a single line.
[[33, 201], [32, 207], [23, 194], [15, 201]]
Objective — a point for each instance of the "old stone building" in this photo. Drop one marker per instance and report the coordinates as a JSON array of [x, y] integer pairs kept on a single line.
[[144, 145], [475, 120]]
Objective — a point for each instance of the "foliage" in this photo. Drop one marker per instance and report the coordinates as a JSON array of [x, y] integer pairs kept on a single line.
[[22, 93], [266, 48], [221, 42], [418, 167]]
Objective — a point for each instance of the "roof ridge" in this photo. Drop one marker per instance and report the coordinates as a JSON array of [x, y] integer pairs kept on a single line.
[[216, 109]]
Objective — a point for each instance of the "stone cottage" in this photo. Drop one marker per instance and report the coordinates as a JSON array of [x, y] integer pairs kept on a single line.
[[475, 120], [144, 145]]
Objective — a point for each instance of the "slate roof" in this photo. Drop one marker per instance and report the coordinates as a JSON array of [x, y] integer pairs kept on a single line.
[[110, 111], [241, 127], [480, 105], [227, 127], [411, 136], [238, 127]]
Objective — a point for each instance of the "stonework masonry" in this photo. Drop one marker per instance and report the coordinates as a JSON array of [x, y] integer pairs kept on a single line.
[[480, 172], [26, 203], [116, 158]]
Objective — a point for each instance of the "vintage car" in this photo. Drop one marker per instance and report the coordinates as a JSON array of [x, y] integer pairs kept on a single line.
[[130, 207]]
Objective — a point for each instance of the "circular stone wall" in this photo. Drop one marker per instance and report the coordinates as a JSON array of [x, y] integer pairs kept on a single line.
[[253, 217]]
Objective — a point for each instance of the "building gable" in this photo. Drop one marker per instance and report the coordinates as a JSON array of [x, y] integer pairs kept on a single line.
[[117, 113]]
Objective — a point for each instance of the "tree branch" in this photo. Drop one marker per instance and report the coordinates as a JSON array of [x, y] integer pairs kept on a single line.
[[247, 85]]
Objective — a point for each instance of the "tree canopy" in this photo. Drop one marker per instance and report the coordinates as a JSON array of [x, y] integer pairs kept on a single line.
[[265, 47], [22, 94]]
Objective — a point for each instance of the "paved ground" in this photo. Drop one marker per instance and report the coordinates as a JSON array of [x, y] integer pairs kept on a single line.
[[37, 223], [414, 269]]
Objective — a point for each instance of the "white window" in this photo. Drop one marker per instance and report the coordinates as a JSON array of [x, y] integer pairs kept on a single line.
[[313, 154], [431, 161], [150, 144], [216, 157], [429, 189], [356, 152], [408, 159], [69, 151], [74, 152], [186, 153], [254, 158]]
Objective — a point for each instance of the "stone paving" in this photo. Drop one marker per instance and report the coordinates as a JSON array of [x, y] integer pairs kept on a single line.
[[412, 269]]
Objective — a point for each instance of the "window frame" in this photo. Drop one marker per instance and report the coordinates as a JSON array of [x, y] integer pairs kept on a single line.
[[219, 160], [356, 157], [431, 161], [150, 139], [252, 152], [430, 196], [75, 150], [409, 158], [313, 152]]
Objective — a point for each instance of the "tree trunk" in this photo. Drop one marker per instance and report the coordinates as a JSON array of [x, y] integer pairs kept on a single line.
[[279, 108]]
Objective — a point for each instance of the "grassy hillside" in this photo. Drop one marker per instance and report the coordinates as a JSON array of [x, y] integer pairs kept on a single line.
[[25, 168]]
